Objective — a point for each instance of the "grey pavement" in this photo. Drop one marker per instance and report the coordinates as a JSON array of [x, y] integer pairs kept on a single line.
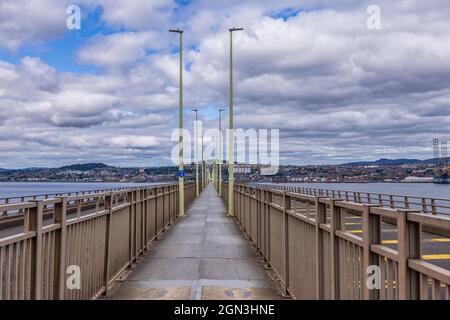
[[202, 256]]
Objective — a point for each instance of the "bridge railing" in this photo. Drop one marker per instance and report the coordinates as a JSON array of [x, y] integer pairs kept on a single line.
[[45, 196], [428, 205], [305, 240], [78, 255]]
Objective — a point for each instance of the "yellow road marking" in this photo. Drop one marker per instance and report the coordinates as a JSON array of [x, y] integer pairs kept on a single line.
[[360, 231], [425, 240], [358, 223], [436, 256], [437, 240]]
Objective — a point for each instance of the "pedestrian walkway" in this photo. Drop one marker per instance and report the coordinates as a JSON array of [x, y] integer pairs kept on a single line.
[[202, 257]]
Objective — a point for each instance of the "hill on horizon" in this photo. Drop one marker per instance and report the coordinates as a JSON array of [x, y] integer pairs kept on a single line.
[[93, 165], [387, 162], [85, 166]]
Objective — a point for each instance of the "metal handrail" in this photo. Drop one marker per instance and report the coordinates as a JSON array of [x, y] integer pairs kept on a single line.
[[428, 205], [105, 239], [44, 196], [305, 242]]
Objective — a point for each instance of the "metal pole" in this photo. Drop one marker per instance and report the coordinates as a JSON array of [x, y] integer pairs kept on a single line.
[[220, 152], [203, 165], [197, 187], [214, 173], [181, 153], [231, 137], [217, 165]]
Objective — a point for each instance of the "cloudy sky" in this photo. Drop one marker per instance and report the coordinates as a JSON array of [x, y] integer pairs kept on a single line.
[[108, 92]]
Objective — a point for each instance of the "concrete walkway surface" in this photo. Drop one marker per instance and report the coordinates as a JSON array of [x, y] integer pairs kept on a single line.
[[201, 257]]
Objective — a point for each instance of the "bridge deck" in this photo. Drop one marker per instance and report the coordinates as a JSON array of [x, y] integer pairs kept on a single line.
[[203, 256]]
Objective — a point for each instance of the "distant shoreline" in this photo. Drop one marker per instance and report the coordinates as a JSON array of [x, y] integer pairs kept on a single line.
[[399, 182], [174, 181], [86, 182]]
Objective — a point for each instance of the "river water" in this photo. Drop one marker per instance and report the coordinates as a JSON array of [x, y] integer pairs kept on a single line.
[[16, 189]]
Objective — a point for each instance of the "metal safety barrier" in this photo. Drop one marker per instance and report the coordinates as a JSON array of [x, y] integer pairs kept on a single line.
[[428, 205], [304, 240], [100, 240]]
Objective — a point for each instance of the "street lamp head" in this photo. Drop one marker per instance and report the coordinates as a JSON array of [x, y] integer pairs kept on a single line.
[[222, 110], [194, 110], [176, 30], [236, 29]]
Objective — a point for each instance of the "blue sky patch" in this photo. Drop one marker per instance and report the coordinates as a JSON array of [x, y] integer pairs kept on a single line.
[[285, 14], [288, 13]]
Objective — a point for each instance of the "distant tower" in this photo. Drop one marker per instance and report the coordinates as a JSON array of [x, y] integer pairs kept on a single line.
[[444, 155], [441, 170], [436, 152]]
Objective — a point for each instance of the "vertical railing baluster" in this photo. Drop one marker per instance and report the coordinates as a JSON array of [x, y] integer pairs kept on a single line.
[[335, 225], [60, 249], [5, 213], [321, 217], [108, 236], [34, 223], [371, 227], [286, 208], [409, 236], [433, 207]]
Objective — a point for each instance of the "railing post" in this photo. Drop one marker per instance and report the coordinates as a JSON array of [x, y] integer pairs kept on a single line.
[[269, 201], [243, 207], [424, 206], [335, 224], [146, 213], [34, 223], [371, 227], [248, 210], [409, 247], [155, 194], [406, 203], [433, 207], [109, 207], [5, 213], [321, 217], [140, 214], [238, 200], [60, 249], [263, 223], [234, 195], [258, 219], [143, 236], [169, 196], [186, 192], [286, 208], [130, 227]]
